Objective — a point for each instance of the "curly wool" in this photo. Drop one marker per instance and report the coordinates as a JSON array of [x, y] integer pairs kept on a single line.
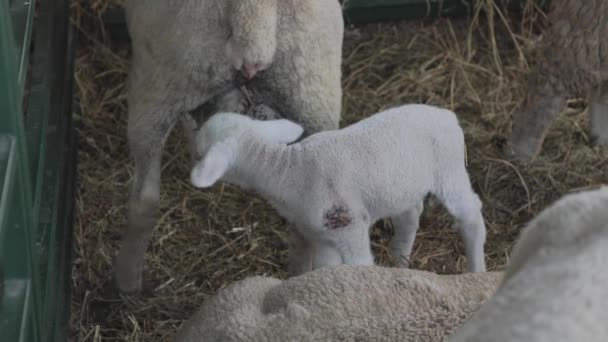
[[342, 303]]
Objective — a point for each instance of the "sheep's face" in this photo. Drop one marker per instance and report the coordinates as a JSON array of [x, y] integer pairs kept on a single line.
[[217, 142]]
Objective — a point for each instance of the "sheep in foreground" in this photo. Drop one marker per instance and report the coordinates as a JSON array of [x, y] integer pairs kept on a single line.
[[341, 303], [193, 56], [556, 286], [333, 185], [572, 62]]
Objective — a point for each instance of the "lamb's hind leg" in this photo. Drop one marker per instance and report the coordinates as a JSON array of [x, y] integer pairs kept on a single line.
[[150, 121], [460, 200], [405, 226], [598, 115]]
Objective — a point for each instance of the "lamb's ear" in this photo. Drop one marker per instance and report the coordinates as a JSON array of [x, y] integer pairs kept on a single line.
[[212, 166], [282, 131]]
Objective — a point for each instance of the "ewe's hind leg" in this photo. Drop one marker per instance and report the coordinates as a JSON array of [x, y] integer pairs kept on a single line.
[[149, 125], [189, 126], [598, 115], [405, 226], [303, 93], [460, 200]]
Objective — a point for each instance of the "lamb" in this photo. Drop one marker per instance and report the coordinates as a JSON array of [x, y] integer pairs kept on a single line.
[[196, 56], [341, 303], [554, 288], [333, 185], [573, 50]]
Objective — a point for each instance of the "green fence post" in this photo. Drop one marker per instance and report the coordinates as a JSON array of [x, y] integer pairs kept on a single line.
[[19, 308]]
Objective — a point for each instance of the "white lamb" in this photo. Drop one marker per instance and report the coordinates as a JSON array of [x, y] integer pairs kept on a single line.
[[555, 288], [333, 185]]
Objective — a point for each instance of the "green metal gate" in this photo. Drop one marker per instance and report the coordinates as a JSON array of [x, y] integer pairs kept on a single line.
[[365, 11], [37, 165]]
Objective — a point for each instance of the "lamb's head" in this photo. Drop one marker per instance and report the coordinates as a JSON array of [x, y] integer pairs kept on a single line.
[[219, 143]]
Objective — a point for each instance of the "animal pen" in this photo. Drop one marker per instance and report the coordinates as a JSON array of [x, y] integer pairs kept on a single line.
[[469, 56]]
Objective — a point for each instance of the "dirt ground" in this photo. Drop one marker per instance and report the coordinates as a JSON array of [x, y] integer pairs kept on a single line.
[[206, 240]]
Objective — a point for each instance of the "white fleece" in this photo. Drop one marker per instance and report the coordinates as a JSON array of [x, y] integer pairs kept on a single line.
[[341, 303], [555, 288], [333, 185]]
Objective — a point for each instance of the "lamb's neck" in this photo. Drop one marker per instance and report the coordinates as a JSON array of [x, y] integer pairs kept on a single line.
[[268, 168]]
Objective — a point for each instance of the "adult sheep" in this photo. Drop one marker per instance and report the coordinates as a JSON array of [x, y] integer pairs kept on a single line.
[[195, 54], [341, 303], [556, 286], [573, 61]]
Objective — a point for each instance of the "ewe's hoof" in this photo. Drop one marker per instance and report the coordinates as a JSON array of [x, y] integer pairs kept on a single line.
[[400, 262], [513, 152], [599, 139], [128, 277]]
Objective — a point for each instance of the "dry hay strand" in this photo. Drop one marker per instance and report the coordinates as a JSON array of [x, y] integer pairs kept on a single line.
[[206, 240]]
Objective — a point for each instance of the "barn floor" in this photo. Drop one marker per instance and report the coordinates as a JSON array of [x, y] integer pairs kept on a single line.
[[206, 240]]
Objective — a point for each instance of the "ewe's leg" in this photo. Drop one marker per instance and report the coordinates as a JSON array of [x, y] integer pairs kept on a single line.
[[598, 115], [458, 197], [531, 123], [300, 253], [405, 226], [149, 124], [189, 126], [307, 104]]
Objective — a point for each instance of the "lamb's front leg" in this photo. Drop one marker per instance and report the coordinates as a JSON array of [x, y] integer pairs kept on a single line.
[[354, 245], [344, 227], [325, 255], [405, 226]]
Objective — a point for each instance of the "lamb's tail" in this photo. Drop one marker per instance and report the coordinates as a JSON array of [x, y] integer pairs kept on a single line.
[[253, 41]]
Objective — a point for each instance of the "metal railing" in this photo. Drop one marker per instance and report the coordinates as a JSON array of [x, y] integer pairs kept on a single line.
[[36, 169]]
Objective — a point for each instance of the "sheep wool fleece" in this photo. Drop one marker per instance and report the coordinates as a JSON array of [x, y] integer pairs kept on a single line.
[[555, 288], [341, 303]]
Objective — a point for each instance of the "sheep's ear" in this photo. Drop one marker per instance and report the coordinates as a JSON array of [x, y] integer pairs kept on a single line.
[[212, 166], [282, 131]]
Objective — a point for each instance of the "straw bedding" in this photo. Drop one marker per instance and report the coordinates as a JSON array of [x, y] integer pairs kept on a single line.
[[206, 240]]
